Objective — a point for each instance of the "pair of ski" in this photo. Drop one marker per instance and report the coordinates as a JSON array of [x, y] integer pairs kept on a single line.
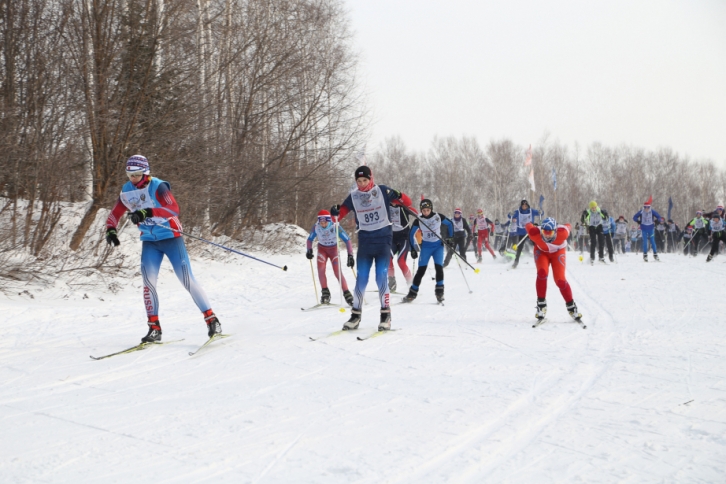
[[542, 320], [321, 306], [143, 346], [359, 338]]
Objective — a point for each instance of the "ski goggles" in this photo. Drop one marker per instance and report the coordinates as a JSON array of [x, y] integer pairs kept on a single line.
[[548, 234], [135, 173], [426, 205], [325, 219]]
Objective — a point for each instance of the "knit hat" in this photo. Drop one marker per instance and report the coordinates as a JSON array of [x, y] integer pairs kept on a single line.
[[593, 204], [426, 203], [363, 171], [480, 211], [324, 214], [137, 165], [649, 201], [457, 210]]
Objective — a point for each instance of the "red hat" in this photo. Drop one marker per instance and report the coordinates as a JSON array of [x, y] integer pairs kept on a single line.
[[457, 210], [649, 202], [325, 215]]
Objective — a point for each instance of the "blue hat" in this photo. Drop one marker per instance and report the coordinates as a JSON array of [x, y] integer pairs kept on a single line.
[[137, 164], [549, 224]]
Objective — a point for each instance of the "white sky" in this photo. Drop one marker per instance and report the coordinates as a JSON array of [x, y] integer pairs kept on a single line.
[[647, 73]]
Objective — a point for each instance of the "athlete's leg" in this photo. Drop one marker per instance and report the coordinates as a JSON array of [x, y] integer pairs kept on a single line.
[[322, 261], [334, 255], [486, 243], [176, 251], [364, 258], [151, 258], [383, 259], [423, 262], [558, 260], [479, 241], [542, 262], [402, 255], [438, 256]]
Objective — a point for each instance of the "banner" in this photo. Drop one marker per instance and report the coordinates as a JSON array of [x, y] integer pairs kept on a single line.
[[670, 207], [541, 201], [554, 179]]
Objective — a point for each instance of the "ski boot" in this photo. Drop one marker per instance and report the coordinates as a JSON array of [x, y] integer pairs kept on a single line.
[[392, 284], [478, 259], [439, 291], [515, 264], [645, 257], [602, 260], [348, 297], [709, 258], [325, 296], [385, 323], [655, 256], [541, 309], [154, 334], [592, 262], [412, 293], [612, 259], [354, 320], [213, 324], [493, 255], [572, 309]]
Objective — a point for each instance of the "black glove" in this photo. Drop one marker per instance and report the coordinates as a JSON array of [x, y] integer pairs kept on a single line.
[[351, 260], [309, 254], [139, 216], [414, 254], [335, 210], [449, 242], [394, 194], [112, 238]]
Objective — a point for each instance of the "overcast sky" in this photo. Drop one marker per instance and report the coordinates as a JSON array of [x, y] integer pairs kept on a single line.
[[645, 73]]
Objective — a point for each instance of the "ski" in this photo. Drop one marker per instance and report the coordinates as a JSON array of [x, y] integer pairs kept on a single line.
[[539, 322], [138, 347], [334, 333], [320, 306], [375, 335], [210, 340]]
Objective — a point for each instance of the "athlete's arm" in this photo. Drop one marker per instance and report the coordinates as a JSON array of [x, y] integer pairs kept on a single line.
[[116, 213]]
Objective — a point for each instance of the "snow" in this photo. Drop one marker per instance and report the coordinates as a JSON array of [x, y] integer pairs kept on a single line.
[[468, 392]]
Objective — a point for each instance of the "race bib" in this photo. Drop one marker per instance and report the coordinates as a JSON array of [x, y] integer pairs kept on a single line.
[[371, 210]]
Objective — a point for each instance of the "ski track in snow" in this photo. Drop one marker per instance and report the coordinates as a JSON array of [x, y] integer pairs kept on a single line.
[[466, 392]]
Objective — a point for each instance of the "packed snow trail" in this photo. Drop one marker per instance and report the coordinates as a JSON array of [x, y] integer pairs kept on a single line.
[[466, 392]]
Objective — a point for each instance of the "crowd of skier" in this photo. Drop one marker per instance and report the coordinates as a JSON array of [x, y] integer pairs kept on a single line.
[[390, 227]]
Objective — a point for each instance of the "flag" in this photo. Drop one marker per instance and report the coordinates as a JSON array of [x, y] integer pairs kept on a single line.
[[554, 178], [531, 178], [528, 159], [670, 207], [541, 201]]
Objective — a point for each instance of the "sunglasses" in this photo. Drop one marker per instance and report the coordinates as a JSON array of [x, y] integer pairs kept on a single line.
[[548, 233]]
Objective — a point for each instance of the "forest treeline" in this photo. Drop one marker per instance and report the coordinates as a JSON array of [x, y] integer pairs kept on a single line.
[[252, 110]]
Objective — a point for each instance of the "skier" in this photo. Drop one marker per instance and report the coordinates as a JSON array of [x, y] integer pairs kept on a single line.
[[153, 209], [687, 236], [473, 238], [462, 234], [523, 215], [608, 229], [660, 234], [499, 236], [700, 230], [621, 233], [673, 235], [550, 249], [325, 230], [483, 226], [369, 202], [646, 217], [581, 239], [400, 248], [717, 233], [635, 237], [430, 230], [512, 234], [593, 218]]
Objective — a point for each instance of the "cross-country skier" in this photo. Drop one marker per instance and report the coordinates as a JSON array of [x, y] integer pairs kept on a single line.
[[523, 215], [687, 236], [608, 229], [499, 231], [700, 232], [154, 210], [325, 230], [550, 249], [636, 238], [399, 250], [369, 202], [462, 234], [483, 227], [674, 235], [660, 234], [621, 233], [646, 217], [593, 218], [473, 239], [717, 233], [430, 230]]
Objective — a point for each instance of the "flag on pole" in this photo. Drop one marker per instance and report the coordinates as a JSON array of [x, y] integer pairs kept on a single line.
[[541, 201], [554, 179], [670, 207], [531, 178], [528, 162], [528, 159]]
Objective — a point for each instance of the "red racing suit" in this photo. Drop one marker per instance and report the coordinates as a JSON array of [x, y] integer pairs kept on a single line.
[[548, 254]]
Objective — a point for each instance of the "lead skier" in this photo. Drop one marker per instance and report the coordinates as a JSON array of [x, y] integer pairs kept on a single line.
[[369, 202], [550, 249], [646, 218], [153, 209]]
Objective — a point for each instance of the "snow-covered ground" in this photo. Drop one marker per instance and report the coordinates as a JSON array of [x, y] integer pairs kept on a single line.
[[468, 392]]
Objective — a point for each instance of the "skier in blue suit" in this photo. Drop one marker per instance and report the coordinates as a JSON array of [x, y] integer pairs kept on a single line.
[[426, 237], [521, 217], [646, 217]]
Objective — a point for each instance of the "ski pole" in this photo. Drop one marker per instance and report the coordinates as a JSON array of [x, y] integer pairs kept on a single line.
[[284, 268], [462, 275], [613, 246], [437, 235], [514, 246], [340, 267], [315, 285]]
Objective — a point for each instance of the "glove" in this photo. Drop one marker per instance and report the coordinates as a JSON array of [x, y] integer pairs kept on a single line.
[[394, 194], [309, 254], [449, 242], [351, 260], [139, 216], [414, 254], [111, 238], [335, 210]]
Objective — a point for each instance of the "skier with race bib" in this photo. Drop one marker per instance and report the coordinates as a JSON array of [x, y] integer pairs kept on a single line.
[[462, 234], [426, 237], [550, 249], [522, 216], [594, 218], [369, 202], [483, 227], [401, 228], [646, 218], [153, 209], [328, 234]]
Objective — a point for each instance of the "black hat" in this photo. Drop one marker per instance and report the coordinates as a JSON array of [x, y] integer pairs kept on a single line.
[[524, 202], [363, 171], [426, 203]]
